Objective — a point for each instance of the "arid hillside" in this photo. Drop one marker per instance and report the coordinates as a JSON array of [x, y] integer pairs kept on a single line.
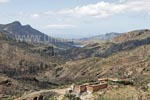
[[21, 64], [126, 41], [133, 35], [34, 66], [126, 59]]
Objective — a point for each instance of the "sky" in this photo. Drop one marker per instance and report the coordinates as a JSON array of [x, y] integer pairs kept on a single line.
[[77, 18]]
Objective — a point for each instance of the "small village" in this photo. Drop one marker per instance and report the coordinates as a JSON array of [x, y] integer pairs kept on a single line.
[[101, 84], [83, 92]]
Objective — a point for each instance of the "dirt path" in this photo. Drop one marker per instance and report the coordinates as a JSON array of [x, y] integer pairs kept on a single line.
[[59, 94], [29, 96]]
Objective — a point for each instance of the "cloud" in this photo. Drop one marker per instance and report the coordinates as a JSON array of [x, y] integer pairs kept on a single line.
[[60, 26], [35, 16], [105, 9], [4, 1]]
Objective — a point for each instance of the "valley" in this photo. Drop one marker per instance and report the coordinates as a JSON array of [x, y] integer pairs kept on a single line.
[[32, 67]]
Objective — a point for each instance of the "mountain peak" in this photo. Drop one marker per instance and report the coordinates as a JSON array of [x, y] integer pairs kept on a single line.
[[16, 23], [27, 26]]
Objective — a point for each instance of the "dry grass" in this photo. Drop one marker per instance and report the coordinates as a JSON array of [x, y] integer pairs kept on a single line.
[[124, 93]]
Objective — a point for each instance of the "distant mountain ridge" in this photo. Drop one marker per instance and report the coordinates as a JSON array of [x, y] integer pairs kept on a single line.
[[122, 42], [107, 36], [27, 33], [16, 28], [99, 38], [133, 35]]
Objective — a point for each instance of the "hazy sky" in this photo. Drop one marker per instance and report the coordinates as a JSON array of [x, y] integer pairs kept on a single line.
[[77, 18]]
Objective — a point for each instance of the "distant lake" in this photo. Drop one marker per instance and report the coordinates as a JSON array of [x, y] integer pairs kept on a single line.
[[79, 45]]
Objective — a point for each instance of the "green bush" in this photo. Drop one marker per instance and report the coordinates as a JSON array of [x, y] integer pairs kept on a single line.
[[71, 97], [148, 90], [52, 98]]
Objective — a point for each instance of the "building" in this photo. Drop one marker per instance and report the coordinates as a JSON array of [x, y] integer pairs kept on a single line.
[[103, 84], [80, 88], [89, 88], [95, 88]]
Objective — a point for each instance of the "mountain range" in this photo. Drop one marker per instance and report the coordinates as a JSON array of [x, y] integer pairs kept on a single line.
[[98, 38], [28, 34], [26, 66]]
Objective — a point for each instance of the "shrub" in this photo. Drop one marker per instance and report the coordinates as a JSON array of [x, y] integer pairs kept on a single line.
[[52, 98], [148, 90], [71, 97]]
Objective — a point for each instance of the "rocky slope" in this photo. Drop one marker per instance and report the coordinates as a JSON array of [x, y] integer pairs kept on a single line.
[[133, 35], [126, 41], [21, 65], [122, 59], [28, 66]]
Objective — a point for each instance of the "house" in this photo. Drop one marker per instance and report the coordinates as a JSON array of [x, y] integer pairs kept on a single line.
[[95, 88], [80, 88], [89, 88], [102, 84]]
